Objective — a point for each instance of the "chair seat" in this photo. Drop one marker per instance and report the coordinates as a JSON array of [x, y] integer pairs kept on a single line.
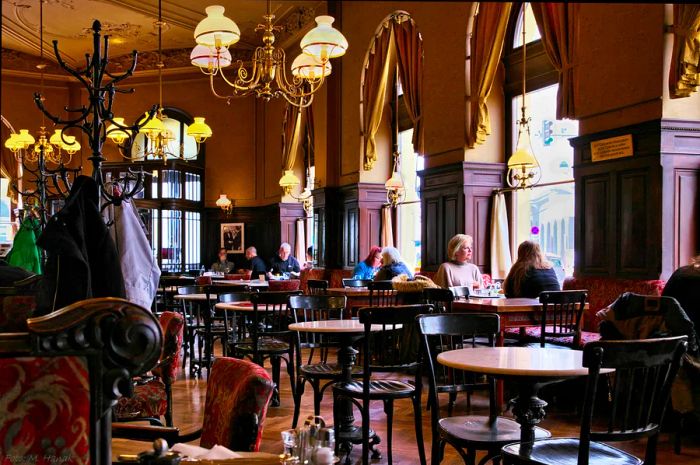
[[564, 451], [266, 345], [475, 430], [378, 389], [149, 401], [532, 333], [326, 370]]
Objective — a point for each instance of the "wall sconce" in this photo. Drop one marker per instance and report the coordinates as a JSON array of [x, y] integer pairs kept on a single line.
[[289, 181], [395, 190], [224, 203]]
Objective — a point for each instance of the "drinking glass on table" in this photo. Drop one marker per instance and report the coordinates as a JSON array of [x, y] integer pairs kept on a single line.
[[290, 441]]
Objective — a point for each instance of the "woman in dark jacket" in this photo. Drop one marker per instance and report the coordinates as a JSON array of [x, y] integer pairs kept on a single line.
[[530, 274], [392, 265]]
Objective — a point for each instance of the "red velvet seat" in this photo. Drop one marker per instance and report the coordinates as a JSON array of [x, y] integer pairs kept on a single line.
[[288, 285], [152, 397], [532, 334], [238, 393]]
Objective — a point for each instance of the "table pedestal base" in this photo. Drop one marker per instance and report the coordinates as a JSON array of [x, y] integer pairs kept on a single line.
[[528, 409], [347, 438]]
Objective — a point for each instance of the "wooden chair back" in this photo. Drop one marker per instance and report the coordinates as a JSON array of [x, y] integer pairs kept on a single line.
[[317, 286], [460, 292], [381, 294], [66, 360], [315, 308], [390, 349], [561, 314], [442, 332], [440, 299], [271, 318], [639, 391], [350, 282]]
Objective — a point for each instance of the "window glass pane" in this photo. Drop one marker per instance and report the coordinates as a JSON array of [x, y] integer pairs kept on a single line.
[[171, 184], [193, 187], [545, 214], [189, 146], [532, 33], [154, 184], [171, 240], [155, 227], [193, 241], [408, 214]]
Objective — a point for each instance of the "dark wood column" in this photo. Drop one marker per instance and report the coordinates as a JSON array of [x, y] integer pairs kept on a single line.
[[636, 217], [457, 199], [362, 210], [328, 221], [288, 215]]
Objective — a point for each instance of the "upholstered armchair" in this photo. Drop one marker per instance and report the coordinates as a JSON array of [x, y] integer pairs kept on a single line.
[[153, 397], [64, 373], [238, 393]]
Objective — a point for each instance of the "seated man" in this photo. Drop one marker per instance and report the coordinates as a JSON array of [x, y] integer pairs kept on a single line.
[[223, 265], [255, 264], [284, 262]]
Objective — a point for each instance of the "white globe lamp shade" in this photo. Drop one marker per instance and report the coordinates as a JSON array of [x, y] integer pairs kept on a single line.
[[203, 56], [216, 30], [324, 41], [309, 67]]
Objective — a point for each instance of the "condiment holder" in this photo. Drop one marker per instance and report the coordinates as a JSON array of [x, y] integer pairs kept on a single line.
[[310, 444]]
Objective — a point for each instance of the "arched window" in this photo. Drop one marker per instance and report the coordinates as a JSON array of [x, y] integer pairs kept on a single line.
[[171, 201], [551, 203]]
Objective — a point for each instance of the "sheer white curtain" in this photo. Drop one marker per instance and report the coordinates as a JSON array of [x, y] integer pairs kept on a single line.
[[500, 243], [300, 247]]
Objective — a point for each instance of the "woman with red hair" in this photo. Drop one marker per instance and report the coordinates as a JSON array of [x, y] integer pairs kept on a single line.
[[368, 267]]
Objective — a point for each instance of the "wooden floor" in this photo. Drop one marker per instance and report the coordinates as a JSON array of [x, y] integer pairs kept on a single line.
[[188, 407]]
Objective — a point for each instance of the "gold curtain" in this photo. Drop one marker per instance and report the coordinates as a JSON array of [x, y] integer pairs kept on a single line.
[[409, 51], [501, 259], [684, 75], [486, 48], [374, 88], [556, 24], [291, 129], [300, 244], [387, 239]]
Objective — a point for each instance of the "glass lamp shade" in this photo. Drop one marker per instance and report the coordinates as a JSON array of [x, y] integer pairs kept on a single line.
[[216, 30], [522, 158], [199, 130], [394, 182], [71, 145], [309, 67], [56, 138], [223, 201], [324, 41], [152, 128], [288, 181], [14, 143], [26, 138], [208, 57], [115, 133]]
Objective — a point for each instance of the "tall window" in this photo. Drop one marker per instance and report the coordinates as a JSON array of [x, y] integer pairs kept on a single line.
[[6, 234], [545, 213], [171, 202]]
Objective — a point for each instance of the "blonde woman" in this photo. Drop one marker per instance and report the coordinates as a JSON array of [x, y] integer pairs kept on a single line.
[[392, 265], [531, 273], [458, 271]]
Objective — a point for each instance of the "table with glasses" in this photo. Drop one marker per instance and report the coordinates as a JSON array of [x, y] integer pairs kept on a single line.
[[253, 283], [528, 368], [348, 331]]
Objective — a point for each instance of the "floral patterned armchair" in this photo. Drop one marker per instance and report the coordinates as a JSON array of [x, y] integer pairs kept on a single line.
[[153, 397], [62, 376], [238, 394]]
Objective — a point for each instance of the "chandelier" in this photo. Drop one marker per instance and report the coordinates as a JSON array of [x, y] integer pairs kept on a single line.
[[268, 77], [157, 137], [60, 147], [523, 167]]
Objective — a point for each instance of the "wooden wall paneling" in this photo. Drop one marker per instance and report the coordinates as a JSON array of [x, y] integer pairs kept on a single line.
[[680, 160], [479, 181], [371, 199], [328, 215], [289, 213], [593, 226]]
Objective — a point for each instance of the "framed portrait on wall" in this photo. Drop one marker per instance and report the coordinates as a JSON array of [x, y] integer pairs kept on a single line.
[[232, 237]]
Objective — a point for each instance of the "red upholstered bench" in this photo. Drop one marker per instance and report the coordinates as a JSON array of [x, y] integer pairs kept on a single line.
[[603, 291], [532, 334]]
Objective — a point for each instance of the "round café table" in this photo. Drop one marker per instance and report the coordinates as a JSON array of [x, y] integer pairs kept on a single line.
[[528, 368], [348, 331]]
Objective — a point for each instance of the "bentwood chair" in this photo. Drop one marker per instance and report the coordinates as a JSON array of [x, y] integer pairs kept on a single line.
[[238, 393], [440, 299], [384, 352], [564, 309], [471, 433], [269, 336], [381, 294], [350, 282], [317, 286], [234, 325], [638, 395], [194, 324], [460, 292], [315, 308]]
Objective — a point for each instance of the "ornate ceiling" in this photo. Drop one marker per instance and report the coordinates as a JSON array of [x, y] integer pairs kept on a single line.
[[130, 25]]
